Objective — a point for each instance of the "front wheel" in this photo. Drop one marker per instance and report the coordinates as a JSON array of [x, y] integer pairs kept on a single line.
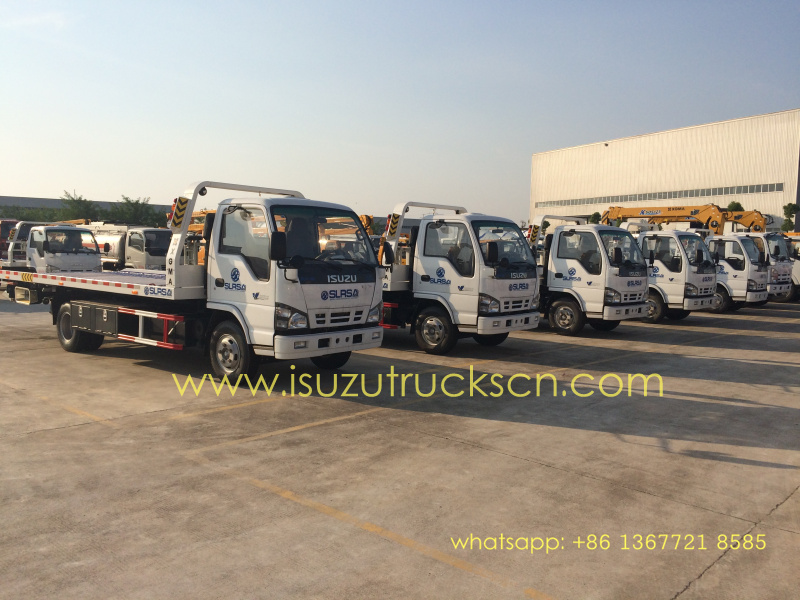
[[721, 302], [229, 352], [656, 309], [566, 317], [494, 339], [434, 331], [331, 362], [601, 325]]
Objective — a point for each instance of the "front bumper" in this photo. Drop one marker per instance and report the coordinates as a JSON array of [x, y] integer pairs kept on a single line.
[[620, 312], [504, 323], [700, 303], [779, 288], [756, 296], [288, 347]]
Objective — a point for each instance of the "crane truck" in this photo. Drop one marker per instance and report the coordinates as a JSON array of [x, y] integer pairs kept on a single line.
[[708, 216], [266, 290], [589, 273], [458, 274]]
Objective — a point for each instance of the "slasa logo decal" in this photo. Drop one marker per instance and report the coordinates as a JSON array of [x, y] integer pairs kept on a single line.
[[157, 291], [339, 294], [721, 270], [342, 279], [440, 278], [235, 286], [655, 273], [571, 275], [517, 286]]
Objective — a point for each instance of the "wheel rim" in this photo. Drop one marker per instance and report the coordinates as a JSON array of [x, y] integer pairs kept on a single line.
[[229, 355], [66, 326], [433, 331], [716, 300], [565, 316], [651, 307]]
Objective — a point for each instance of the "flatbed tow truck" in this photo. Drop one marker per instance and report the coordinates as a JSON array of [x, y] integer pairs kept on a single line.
[[266, 290]]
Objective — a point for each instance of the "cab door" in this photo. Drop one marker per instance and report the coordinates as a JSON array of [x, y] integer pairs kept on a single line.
[[578, 265], [666, 273], [239, 270], [445, 268]]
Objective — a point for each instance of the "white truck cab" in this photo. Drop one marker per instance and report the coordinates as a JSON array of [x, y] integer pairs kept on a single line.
[[458, 274], [776, 251], [62, 249], [681, 274], [17, 257], [132, 247], [742, 272], [591, 273]]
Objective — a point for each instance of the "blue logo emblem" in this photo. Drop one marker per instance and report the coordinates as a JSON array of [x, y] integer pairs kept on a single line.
[[572, 272], [440, 272], [146, 291], [235, 275], [655, 269], [324, 295]]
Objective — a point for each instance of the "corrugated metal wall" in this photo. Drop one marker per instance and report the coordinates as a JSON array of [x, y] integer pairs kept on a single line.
[[751, 151]]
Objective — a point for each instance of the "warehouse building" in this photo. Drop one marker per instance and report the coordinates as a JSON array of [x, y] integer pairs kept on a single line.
[[754, 161]]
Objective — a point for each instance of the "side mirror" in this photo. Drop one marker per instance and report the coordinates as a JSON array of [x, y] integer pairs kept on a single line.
[[617, 256], [698, 256], [208, 226], [492, 253], [45, 247], [277, 249], [106, 247], [652, 258], [795, 253], [388, 254], [776, 252], [716, 258], [762, 258]]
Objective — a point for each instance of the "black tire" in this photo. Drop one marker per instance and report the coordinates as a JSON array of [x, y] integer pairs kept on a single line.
[[434, 331], [737, 306], [91, 341], [330, 362], [722, 301], [677, 314], [566, 317], [656, 309], [785, 297], [73, 340], [602, 325], [229, 353], [494, 339]]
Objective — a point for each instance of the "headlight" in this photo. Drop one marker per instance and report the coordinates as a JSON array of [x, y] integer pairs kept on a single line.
[[488, 305], [775, 276], [375, 313], [690, 290], [752, 286], [612, 296], [535, 305], [287, 317]]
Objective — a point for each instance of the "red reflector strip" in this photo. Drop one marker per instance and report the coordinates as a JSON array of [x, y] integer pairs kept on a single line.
[[391, 305], [146, 342], [390, 326]]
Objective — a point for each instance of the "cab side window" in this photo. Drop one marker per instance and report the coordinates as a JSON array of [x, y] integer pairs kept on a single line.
[[244, 233], [665, 249], [37, 238], [729, 251], [583, 247], [137, 241], [452, 242]]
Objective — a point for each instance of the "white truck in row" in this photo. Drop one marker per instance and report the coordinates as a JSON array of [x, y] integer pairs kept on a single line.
[[458, 274], [132, 247], [743, 271], [267, 290]]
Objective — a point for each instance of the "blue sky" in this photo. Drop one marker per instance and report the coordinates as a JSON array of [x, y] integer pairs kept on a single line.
[[365, 103]]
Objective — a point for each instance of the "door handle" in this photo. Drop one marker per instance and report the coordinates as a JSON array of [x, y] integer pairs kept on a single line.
[[559, 275], [425, 277], [219, 282]]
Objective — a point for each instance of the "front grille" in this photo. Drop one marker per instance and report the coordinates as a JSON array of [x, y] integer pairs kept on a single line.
[[338, 317], [632, 297], [516, 304], [705, 291]]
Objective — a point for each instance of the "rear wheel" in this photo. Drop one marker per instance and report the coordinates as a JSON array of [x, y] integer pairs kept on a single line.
[[330, 362], [656, 309], [434, 331], [721, 302], [601, 325], [71, 339], [229, 352], [490, 339], [676, 314], [566, 317]]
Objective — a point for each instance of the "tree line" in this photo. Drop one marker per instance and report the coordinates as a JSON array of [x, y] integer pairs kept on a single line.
[[74, 206]]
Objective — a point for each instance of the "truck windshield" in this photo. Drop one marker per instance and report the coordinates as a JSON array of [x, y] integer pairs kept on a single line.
[[777, 247], [511, 243], [71, 241], [324, 234], [157, 242], [691, 244], [631, 255]]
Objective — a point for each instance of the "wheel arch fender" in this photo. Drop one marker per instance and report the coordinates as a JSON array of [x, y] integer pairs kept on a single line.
[[424, 302], [223, 312], [568, 294]]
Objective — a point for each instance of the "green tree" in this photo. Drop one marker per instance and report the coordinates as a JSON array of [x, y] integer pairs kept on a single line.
[[135, 212], [595, 218], [789, 211], [75, 206], [733, 205]]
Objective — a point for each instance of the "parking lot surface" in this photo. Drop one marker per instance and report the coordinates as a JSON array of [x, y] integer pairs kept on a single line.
[[115, 484]]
